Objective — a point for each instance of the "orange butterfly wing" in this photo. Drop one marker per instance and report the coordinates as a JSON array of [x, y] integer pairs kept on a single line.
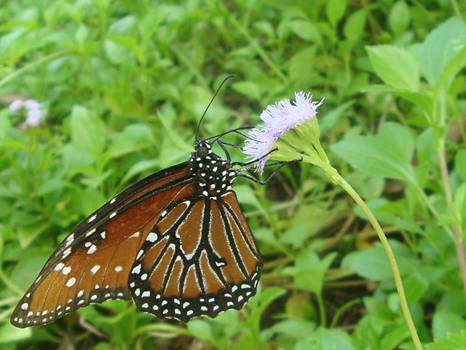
[[92, 264], [199, 259]]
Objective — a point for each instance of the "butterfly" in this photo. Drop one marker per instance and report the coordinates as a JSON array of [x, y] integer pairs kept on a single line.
[[176, 243]]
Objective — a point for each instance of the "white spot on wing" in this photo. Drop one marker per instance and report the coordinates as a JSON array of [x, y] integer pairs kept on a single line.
[[92, 249], [90, 232], [136, 269], [70, 282], [134, 235], [151, 237], [66, 252]]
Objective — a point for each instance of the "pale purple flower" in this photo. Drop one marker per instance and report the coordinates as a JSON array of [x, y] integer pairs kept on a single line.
[[32, 105], [16, 105], [278, 119], [34, 117], [34, 110]]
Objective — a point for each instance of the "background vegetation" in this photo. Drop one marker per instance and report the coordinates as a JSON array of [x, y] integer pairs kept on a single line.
[[123, 84]]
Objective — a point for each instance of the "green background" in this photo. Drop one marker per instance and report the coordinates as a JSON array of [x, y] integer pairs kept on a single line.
[[123, 85]]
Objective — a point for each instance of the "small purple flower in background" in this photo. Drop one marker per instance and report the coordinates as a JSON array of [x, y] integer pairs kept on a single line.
[[278, 119], [16, 105], [34, 110], [31, 105], [34, 117]]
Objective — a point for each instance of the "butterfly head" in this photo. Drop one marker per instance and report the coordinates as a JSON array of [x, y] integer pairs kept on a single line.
[[202, 148], [214, 174]]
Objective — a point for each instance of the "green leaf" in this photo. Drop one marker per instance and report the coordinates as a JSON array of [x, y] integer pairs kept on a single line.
[[201, 329], [75, 159], [115, 52], [122, 26], [53, 184], [399, 18], [87, 132], [394, 337], [335, 10], [131, 139], [306, 30], [455, 65], [388, 154], [423, 99], [426, 148], [260, 302], [365, 334], [309, 271], [333, 116], [301, 65], [397, 67], [370, 263], [140, 167], [325, 339], [291, 328], [454, 301], [10, 333], [29, 266], [373, 263], [248, 88], [333, 339], [451, 342], [119, 320], [446, 323], [355, 24], [440, 47], [415, 287]]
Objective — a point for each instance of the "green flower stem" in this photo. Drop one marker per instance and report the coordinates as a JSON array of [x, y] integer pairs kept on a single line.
[[302, 142], [339, 180], [323, 316]]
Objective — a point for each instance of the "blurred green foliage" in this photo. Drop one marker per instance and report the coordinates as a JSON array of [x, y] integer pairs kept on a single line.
[[123, 84]]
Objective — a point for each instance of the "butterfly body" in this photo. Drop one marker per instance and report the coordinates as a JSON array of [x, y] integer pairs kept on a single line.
[[176, 243]]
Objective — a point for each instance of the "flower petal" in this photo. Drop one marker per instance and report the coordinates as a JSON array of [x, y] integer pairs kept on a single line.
[[277, 119]]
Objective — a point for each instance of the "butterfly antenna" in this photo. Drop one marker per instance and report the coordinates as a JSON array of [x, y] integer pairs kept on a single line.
[[211, 100]]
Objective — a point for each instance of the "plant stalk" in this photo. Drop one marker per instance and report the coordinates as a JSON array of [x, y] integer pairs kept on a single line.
[[338, 179], [456, 233]]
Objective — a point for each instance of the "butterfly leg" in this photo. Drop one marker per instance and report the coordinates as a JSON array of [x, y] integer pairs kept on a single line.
[[222, 146], [252, 178], [254, 160]]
